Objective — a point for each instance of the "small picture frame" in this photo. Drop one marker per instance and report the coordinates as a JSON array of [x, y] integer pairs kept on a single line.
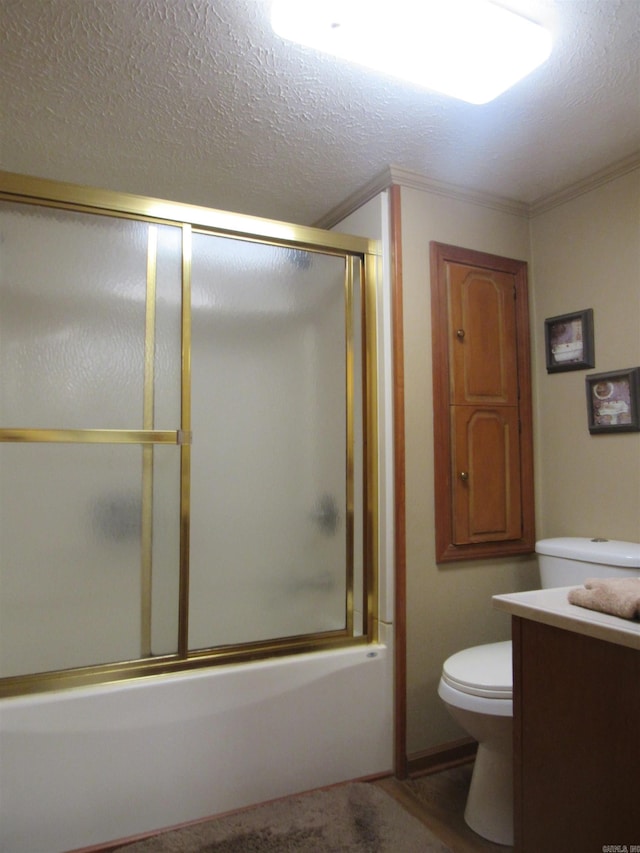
[[569, 341], [613, 401]]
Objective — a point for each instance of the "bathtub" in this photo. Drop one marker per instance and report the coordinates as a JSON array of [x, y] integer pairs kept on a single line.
[[90, 765]]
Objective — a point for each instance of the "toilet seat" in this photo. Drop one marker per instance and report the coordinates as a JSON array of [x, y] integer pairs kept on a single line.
[[476, 688], [483, 671]]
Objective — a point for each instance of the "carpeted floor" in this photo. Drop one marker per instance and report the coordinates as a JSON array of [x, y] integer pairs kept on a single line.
[[351, 818]]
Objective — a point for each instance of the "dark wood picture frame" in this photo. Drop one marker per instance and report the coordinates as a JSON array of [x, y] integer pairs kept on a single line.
[[569, 341], [613, 401]]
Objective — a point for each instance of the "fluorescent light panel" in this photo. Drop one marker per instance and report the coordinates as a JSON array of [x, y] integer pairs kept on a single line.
[[469, 49]]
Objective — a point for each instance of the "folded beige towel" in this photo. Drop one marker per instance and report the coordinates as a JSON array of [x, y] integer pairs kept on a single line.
[[618, 596]]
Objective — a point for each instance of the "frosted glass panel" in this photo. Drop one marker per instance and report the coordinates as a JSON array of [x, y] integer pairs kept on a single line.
[[268, 524], [71, 550], [72, 319], [168, 328], [165, 579]]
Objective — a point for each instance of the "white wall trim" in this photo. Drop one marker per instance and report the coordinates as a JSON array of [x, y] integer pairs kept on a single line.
[[406, 178], [372, 188], [610, 173]]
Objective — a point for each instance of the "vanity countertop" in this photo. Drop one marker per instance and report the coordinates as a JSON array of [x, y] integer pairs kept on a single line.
[[551, 607]]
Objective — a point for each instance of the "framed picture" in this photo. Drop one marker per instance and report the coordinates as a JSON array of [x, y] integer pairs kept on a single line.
[[613, 401], [569, 341]]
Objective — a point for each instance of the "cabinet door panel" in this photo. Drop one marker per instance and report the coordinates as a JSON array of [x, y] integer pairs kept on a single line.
[[486, 474], [482, 336]]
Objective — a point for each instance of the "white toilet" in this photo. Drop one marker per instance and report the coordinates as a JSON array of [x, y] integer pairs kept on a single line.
[[476, 684]]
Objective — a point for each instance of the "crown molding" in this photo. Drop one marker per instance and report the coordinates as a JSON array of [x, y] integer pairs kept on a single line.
[[604, 176], [414, 180], [377, 184], [396, 175]]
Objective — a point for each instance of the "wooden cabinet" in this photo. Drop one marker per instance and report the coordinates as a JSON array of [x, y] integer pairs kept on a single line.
[[482, 405], [481, 336], [576, 708], [486, 465]]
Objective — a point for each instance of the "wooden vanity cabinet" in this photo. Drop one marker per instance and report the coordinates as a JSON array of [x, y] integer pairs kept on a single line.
[[576, 741]]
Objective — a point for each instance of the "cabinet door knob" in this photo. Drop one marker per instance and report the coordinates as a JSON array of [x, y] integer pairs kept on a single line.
[[464, 475], [460, 333]]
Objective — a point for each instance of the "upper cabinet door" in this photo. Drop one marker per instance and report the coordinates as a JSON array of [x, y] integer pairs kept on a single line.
[[482, 336]]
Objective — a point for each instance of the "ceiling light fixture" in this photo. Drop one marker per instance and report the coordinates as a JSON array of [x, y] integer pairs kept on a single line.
[[469, 49]]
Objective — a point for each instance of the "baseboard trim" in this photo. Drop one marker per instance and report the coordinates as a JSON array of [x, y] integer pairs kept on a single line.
[[441, 757]]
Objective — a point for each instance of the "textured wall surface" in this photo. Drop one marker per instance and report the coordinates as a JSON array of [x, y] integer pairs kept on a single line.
[[200, 101]]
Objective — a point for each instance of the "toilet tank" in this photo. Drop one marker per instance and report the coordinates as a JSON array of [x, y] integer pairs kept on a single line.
[[570, 560]]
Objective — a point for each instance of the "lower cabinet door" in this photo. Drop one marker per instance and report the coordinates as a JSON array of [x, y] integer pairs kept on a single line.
[[486, 474]]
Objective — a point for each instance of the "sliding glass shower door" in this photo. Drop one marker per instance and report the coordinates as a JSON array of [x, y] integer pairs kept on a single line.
[[271, 520], [187, 440], [78, 384]]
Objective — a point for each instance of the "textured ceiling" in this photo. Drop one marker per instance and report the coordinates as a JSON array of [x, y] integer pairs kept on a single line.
[[198, 101]]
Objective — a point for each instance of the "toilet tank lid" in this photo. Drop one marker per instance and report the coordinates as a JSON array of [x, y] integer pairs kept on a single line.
[[606, 552]]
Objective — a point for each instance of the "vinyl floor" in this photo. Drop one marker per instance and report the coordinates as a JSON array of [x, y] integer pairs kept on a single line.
[[438, 800]]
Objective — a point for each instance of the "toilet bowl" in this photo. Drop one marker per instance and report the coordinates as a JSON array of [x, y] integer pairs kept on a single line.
[[476, 687], [476, 683]]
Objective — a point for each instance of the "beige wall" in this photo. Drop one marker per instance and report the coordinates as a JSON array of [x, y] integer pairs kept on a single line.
[[586, 254], [449, 606]]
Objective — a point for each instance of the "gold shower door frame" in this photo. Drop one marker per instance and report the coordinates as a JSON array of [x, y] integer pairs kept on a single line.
[[360, 267]]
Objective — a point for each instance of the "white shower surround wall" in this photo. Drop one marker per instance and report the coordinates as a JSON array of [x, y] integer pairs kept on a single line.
[[86, 766]]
